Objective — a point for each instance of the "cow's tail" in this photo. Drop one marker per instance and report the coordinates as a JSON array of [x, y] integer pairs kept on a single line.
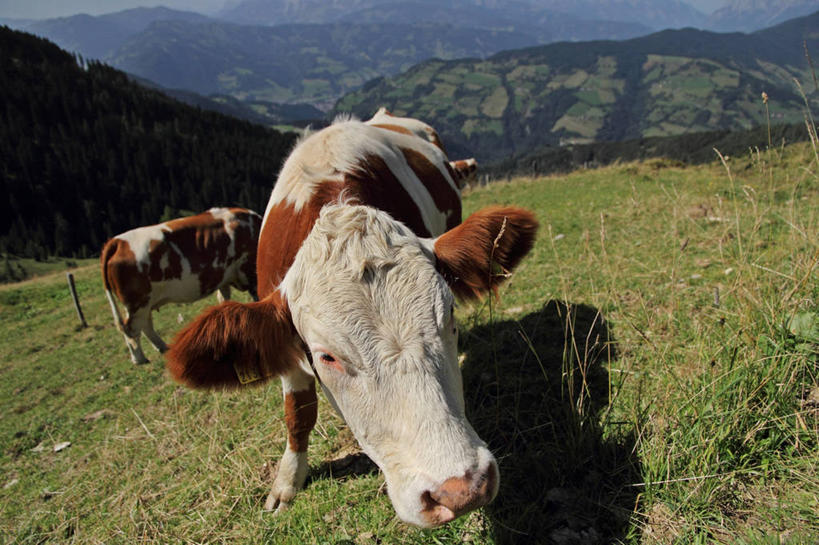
[[108, 251]]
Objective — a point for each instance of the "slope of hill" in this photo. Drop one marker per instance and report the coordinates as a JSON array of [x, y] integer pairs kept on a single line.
[[690, 148], [86, 153], [666, 83], [260, 112]]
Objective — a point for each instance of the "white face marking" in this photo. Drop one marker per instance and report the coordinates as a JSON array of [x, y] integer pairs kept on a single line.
[[366, 298]]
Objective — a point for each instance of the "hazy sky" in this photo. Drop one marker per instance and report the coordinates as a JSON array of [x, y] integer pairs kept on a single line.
[[42, 9]]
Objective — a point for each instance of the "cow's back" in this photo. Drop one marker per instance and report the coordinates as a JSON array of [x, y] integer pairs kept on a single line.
[[351, 161], [181, 260]]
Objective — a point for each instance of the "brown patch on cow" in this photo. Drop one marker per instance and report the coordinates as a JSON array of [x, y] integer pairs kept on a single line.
[[283, 232], [258, 337], [158, 249], [374, 184], [300, 414], [394, 128], [121, 275], [210, 278], [246, 240], [204, 241], [447, 200], [479, 254], [462, 171]]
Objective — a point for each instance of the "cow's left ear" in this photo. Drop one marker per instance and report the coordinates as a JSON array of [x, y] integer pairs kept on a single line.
[[235, 344], [479, 254]]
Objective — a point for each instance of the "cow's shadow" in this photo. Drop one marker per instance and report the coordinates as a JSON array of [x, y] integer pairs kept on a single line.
[[536, 391]]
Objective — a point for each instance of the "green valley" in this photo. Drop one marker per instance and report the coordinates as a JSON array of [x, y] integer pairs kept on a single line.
[[667, 83]]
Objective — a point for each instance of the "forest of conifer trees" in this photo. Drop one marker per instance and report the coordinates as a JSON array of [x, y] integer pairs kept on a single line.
[[86, 153]]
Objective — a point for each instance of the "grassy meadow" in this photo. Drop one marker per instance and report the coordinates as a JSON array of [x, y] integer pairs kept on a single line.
[[648, 375]]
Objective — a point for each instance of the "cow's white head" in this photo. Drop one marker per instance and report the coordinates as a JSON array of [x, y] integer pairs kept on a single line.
[[373, 305], [379, 322]]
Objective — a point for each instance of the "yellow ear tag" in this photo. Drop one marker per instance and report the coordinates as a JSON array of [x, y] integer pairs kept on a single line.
[[246, 374]]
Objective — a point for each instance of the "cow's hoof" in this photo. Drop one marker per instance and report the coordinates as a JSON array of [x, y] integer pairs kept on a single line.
[[277, 503], [141, 362]]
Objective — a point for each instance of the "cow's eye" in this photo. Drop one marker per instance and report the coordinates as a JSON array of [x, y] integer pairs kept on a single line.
[[327, 358], [330, 360]]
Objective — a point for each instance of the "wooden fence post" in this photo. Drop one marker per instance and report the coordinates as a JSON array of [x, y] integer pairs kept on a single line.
[[76, 299]]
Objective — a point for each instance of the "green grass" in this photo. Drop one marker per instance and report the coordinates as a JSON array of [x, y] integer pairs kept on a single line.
[[15, 269], [624, 402]]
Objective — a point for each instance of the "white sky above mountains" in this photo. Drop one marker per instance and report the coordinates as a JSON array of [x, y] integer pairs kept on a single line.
[[44, 9]]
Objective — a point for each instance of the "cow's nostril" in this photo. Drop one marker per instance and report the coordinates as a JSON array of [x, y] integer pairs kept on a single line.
[[459, 495], [435, 512]]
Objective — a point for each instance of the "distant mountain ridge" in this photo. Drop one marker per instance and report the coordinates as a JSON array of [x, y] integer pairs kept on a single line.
[[293, 63], [667, 83], [314, 62], [543, 26], [97, 37], [748, 15], [652, 14], [657, 14]]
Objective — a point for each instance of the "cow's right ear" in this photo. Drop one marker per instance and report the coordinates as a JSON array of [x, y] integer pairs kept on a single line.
[[234, 344]]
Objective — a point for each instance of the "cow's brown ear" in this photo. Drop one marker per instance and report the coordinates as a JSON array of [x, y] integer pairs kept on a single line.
[[480, 253], [235, 344]]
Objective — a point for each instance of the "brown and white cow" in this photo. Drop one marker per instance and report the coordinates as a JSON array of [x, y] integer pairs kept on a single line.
[[179, 261], [361, 253]]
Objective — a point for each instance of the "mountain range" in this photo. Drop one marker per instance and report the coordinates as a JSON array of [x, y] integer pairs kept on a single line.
[[98, 37], [314, 51], [666, 83], [737, 15], [487, 96], [307, 62], [745, 15]]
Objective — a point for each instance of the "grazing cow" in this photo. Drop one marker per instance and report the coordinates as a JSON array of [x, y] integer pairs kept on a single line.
[[361, 251], [179, 261]]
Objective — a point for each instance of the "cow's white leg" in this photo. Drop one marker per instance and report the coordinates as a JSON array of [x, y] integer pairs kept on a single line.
[[223, 294], [132, 329], [300, 412], [153, 336]]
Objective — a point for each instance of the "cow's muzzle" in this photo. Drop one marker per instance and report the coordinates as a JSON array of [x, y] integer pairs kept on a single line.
[[459, 495]]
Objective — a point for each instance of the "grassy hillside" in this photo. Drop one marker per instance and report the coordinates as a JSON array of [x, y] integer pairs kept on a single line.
[[663, 84], [690, 148], [649, 375]]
